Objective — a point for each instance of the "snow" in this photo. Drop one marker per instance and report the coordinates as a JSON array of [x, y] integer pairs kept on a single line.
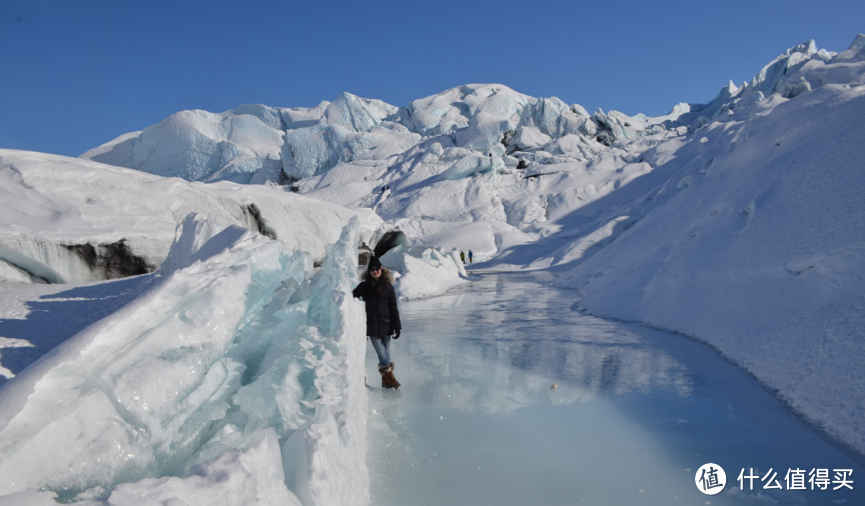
[[53, 204], [258, 144], [424, 272], [251, 477], [759, 252], [172, 395], [736, 222]]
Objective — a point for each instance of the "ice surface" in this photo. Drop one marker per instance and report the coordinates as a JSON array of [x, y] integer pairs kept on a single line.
[[173, 394], [634, 413]]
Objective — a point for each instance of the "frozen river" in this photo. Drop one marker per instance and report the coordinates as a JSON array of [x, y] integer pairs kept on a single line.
[[633, 415]]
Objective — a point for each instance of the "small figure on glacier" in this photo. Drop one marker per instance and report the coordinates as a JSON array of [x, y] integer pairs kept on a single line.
[[463, 256], [471, 256], [382, 316]]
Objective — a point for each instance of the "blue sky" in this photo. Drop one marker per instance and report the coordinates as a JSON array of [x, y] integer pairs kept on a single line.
[[77, 73]]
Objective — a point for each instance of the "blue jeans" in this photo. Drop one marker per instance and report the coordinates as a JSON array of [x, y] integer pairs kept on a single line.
[[381, 345]]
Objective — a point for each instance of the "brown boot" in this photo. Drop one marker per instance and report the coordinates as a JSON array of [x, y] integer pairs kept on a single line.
[[387, 376], [393, 382]]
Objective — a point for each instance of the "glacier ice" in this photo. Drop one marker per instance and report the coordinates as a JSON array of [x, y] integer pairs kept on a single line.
[[174, 393], [424, 272], [260, 144], [427, 170]]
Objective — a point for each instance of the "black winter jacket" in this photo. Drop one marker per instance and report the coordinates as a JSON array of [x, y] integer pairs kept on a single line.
[[382, 315]]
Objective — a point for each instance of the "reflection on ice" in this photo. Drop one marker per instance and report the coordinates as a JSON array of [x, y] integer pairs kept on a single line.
[[635, 410], [491, 356]]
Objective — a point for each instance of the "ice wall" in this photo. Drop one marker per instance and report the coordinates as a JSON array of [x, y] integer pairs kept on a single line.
[[238, 374]]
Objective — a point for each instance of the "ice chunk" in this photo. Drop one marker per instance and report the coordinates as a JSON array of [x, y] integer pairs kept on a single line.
[[171, 389], [424, 272], [478, 115], [253, 477], [302, 117], [471, 165], [529, 138], [552, 117]]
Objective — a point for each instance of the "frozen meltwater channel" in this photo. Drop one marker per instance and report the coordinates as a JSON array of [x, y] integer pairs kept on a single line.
[[635, 412]]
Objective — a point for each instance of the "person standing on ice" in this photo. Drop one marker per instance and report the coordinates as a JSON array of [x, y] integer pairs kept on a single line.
[[471, 256], [463, 256], [382, 316]]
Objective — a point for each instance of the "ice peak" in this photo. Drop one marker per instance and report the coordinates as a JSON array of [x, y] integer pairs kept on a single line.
[[356, 113], [858, 42]]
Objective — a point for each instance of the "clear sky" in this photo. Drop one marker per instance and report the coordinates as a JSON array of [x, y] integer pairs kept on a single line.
[[77, 73]]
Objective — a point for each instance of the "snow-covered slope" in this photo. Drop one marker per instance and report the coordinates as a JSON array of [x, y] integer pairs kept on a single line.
[[235, 377], [72, 220], [759, 247]]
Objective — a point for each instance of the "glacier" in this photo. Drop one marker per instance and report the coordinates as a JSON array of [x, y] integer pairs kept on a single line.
[[735, 222], [643, 206], [171, 398]]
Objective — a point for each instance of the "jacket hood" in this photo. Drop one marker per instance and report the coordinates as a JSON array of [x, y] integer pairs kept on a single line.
[[385, 272]]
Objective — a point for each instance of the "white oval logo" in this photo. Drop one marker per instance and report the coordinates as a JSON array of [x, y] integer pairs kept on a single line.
[[710, 479]]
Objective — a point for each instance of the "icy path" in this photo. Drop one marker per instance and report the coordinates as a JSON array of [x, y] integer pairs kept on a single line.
[[635, 413]]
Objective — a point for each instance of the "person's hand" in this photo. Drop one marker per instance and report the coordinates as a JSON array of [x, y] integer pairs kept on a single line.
[[396, 336]]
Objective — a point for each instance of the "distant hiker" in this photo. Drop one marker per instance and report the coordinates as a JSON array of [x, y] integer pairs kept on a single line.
[[382, 316], [471, 255], [463, 257], [382, 189]]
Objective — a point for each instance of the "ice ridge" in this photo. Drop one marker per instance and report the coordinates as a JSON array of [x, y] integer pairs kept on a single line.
[[236, 354]]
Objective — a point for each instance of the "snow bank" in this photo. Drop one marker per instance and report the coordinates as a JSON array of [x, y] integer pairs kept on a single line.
[[70, 220], [758, 249], [424, 272], [236, 376]]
